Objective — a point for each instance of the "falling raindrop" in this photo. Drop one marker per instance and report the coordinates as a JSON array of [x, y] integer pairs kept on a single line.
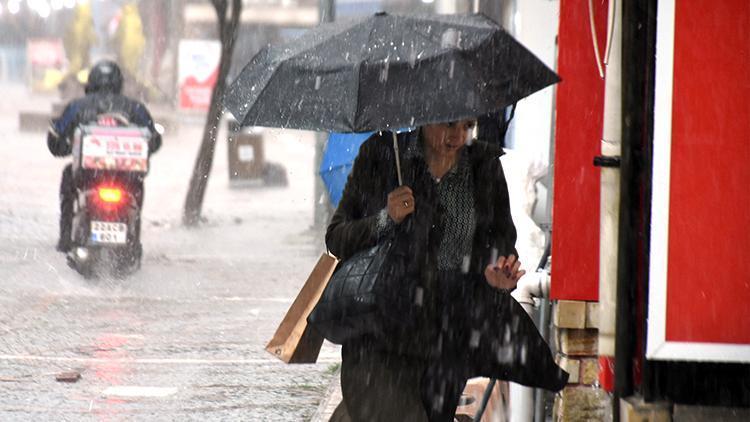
[[504, 354], [449, 39], [451, 68], [419, 296], [474, 340], [384, 72], [412, 56], [317, 82], [471, 100], [465, 264]]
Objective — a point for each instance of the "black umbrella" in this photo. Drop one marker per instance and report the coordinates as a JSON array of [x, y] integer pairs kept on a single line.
[[386, 71]]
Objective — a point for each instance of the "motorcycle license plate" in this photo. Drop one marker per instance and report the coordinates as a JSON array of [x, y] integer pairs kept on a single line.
[[108, 232]]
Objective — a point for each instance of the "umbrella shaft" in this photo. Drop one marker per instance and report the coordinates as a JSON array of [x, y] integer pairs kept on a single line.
[[398, 159]]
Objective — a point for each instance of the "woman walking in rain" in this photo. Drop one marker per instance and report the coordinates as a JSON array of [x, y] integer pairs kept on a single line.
[[453, 218], [432, 306]]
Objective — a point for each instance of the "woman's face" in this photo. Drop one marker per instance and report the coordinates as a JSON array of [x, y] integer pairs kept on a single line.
[[446, 139]]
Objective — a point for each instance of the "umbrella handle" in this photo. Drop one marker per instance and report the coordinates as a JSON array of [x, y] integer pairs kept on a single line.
[[398, 160]]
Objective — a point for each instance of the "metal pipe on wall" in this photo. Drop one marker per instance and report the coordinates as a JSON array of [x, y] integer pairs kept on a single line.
[[534, 285], [610, 198], [544, 317]]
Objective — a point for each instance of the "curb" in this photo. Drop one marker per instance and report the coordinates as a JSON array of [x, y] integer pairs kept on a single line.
[[332, 399]]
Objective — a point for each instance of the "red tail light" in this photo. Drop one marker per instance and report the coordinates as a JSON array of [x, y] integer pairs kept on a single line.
[[110, 195]]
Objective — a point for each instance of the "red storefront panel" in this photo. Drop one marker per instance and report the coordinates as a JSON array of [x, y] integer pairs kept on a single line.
[[708, 284], [578, 130]]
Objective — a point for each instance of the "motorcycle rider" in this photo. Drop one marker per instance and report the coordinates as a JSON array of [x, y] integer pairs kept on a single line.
[[103, 98]]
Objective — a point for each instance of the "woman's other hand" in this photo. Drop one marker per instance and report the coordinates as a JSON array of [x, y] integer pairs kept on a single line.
[[400, 203], [505, 273]]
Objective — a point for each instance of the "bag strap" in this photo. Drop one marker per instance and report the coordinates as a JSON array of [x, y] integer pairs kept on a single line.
[[485, 399]]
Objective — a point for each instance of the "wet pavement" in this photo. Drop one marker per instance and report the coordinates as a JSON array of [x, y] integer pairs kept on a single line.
[[183, 338]]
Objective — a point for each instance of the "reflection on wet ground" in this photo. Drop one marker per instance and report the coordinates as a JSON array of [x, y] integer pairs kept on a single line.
[[183, 338]]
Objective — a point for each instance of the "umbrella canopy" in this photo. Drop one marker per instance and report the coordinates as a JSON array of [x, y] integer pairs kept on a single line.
[[386, 71]]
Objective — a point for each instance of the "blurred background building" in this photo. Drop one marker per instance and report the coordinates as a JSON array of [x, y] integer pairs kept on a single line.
[[169, 50], [49, 44], [144, 36]]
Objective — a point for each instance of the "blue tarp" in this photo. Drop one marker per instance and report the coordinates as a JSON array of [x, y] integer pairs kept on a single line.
[[338, 158]]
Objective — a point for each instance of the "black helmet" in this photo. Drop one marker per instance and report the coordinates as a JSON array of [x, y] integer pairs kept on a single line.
[[105, 76]]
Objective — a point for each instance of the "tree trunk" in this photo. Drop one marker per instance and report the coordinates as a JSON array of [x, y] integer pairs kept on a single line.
[[202, 169]]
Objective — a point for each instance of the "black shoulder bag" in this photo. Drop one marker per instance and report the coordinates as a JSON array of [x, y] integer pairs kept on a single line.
[[370, 293]]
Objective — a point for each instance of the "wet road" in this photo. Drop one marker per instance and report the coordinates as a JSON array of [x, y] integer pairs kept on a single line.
[[183, 338]]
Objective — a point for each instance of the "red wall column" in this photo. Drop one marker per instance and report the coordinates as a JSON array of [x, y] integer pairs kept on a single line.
[[578, 130]]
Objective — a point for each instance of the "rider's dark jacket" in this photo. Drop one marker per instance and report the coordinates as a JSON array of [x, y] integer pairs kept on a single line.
[[86, 110]]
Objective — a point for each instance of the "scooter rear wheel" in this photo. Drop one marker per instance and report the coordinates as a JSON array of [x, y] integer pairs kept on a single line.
[[84, 268]]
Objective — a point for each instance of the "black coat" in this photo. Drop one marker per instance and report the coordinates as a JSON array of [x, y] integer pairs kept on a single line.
[[511, 347], [373, 176]]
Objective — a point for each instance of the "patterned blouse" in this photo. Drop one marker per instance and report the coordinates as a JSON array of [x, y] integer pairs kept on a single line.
[[455, 192], [456, 195]]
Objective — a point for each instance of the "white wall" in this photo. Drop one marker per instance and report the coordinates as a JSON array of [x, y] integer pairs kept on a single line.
[[534, 23]]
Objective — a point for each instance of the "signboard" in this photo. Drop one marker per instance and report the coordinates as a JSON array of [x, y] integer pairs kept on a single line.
[[120, 149], [198, 68], [46, 61], [283, 13], [700, 224]]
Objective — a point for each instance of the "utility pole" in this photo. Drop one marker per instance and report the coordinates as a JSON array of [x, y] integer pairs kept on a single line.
[[177, 32], [327, 11], [611, 147], [446, 7], [228, 14], [321, 203]]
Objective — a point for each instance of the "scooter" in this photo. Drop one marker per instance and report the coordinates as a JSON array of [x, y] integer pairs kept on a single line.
[[109, 164]]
